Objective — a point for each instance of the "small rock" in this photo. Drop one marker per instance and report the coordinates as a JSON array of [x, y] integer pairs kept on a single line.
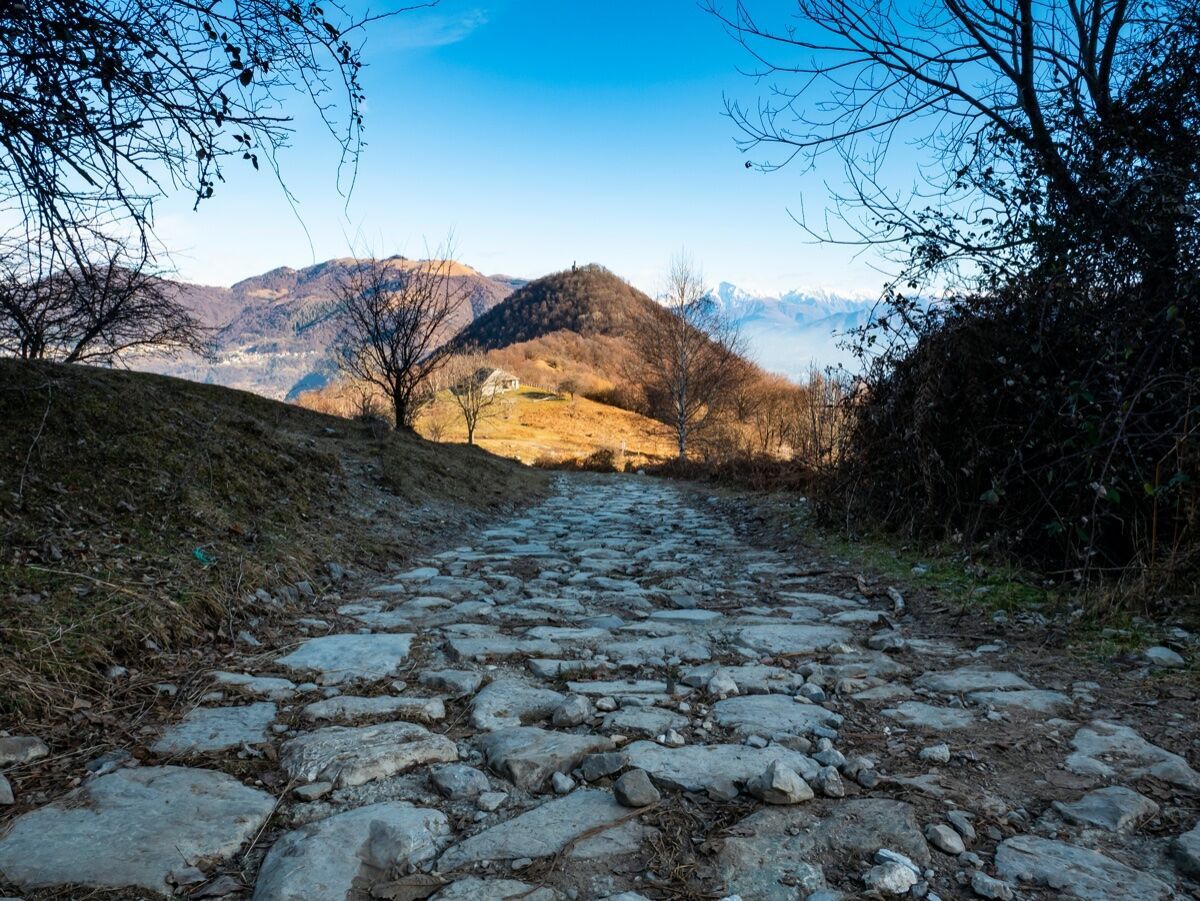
[[757, 741], [597, 766], [634, 789], [490, 801], [890, 878], [1165, 657], [6, 792], [459, 782], [521, 863], [829, 782], [562, 783], [573, 711], [970, 859], [1186, 851], [457, 682], [17, 749], [936, 753], [606, 705], [313, 790], [986, 886], [721, 685], [962, 822], [780, 785], [831, 757], [811, 692], [944, 839], [671, 739]]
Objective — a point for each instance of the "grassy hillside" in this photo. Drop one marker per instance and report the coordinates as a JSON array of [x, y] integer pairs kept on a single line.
[[139, 514], [535, 426]]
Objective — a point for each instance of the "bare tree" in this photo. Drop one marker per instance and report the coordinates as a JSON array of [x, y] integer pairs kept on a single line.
[[688, 354], [997, 96], [475, 398], [107, 105], [397, 317], [112, 306]]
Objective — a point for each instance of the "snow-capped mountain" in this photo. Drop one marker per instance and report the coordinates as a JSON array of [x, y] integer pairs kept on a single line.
[[789, 332]]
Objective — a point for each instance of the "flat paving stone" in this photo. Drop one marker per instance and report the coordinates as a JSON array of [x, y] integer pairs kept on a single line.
[[643, 721], [968, 679], [206, 729], [647, 650], [771, 716], [751, 679], [473, 888], [917, 715], [349, 756], [701, 767], [791, 638], [529, 756], [500, 648], [353, 849], [618, 688], [350, 707], [1108, 750], [345, 658], [1115, 808], [1034, 700], [505, 703], [1073, 871], [271, 687], [546, 830], [687, 616], [133, 828], [775, 853]]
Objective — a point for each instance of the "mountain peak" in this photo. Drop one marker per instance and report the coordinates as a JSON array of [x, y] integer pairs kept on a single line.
[[588, 299]]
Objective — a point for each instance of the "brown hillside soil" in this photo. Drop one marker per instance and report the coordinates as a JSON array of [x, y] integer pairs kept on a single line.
[[139, 516], [1039, 632]]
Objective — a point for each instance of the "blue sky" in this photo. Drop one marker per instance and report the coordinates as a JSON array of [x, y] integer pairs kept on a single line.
[[540, 133]]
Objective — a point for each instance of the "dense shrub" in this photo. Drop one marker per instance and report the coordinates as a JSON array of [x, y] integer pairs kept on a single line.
[[1059, 427]]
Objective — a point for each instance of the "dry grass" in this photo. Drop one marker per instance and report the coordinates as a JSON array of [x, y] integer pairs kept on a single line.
[[138, 515], [532, 425]]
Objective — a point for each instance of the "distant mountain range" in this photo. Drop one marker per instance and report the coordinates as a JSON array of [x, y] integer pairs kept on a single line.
[[274, 332], [787, 333]]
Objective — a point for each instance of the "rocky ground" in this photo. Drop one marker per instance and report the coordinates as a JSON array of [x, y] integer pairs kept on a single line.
[[614, 695]]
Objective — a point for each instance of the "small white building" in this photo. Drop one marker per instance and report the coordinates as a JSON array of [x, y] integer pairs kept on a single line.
[[497, 381]]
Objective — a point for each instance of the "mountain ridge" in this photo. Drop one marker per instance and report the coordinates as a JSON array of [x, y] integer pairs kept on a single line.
[[274, 331]]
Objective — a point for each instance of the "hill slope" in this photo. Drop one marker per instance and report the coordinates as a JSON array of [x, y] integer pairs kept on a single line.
[[274, 331], [138, 513], [588, 300]]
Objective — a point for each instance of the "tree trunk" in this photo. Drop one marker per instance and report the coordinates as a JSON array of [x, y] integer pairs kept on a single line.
[[401, 411]]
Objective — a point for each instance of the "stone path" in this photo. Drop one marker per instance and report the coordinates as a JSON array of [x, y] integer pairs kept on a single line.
[[607, 697]]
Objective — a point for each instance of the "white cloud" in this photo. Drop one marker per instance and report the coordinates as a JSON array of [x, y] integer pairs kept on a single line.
[[429, 29]]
